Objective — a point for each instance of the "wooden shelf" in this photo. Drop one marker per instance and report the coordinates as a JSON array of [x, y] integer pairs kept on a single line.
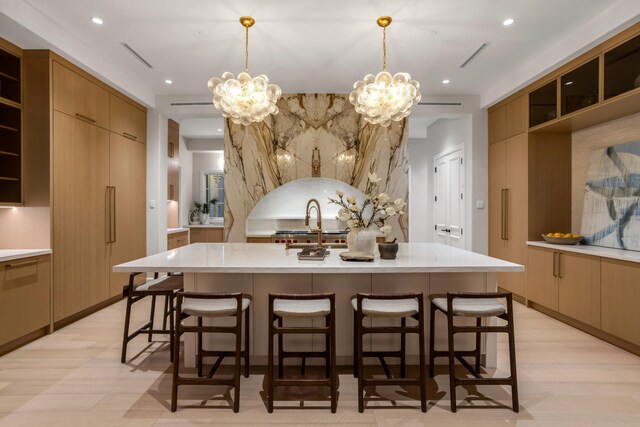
[[8, 153], [7, 76], [10, 103], [6, 178], [9, 128]]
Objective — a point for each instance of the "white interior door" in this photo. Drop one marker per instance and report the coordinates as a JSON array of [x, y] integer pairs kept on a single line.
[[449, 198]]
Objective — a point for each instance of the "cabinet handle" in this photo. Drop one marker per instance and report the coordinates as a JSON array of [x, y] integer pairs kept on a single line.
[[560, 266], [128, 135], [506, 214], [85, 118], [113, 214], [23, 263], [503, 214], [554, 264], [108, 214]]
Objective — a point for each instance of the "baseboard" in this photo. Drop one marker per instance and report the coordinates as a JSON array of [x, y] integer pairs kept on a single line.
[[24, 340], [598, 333], [84, 313]]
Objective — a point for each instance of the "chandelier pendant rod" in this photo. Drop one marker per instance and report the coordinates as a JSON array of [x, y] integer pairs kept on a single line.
[[246, 49], [384, 48]]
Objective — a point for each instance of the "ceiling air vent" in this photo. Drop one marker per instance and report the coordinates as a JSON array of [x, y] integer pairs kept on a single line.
[[186, 104], [136, 54], [475, 54], [449, 104]]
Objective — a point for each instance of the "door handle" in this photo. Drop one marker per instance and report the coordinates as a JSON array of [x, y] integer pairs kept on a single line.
[[502, 214], [506, 214], [107, 204], [554, 264], [130, 136], [85, 118], [560, 266], [113, 214], [23, 263]]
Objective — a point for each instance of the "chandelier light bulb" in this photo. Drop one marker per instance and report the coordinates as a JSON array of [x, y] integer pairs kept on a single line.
[[247, 99], [384, 98]]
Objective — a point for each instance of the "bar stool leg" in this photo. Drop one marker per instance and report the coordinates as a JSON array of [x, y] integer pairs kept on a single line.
[[327, 350], [125, 336], [452, 362], [280, 338], [165, 312], [432, 339], [238, 333], [423, 379], [200, 348], [355, 344], [360, 363], [247, 322], [478, 338], [332, 356], [403, 349], [512, 358], [270, 361], [152, 316], [176, 362], [171, 327]]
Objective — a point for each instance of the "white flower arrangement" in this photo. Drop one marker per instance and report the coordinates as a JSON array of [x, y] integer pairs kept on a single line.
[[376, 209]]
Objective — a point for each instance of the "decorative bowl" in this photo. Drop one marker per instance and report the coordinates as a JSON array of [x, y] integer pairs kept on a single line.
[[388, 250], [562, 240]]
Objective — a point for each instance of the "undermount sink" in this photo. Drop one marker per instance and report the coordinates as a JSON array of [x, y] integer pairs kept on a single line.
[[314, 245]]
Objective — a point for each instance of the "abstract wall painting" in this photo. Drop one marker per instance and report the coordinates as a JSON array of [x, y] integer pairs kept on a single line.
[[611, 214]]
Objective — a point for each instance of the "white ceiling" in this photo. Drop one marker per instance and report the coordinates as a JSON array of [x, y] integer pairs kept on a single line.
[[302, 45]]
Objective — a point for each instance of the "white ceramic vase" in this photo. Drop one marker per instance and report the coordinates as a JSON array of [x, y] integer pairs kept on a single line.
[[205, 219], [362, 240]]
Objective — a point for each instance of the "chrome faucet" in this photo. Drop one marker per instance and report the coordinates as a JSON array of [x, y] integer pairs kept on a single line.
[[307, 217]]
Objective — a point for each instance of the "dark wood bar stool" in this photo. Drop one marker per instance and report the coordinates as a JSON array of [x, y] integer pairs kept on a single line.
[[388, 306], [476, 305], [202, 305], [166, 287], [302, 306]]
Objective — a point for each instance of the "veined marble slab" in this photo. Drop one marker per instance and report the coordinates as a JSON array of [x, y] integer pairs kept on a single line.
[[273, 258]]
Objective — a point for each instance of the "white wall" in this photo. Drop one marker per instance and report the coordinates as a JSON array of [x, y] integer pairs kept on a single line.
[[204, 162], [186, 184], [157, 128]]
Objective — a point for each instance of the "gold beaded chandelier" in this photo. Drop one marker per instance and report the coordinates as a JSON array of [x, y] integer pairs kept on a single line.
[[244, 100], [384, 98]]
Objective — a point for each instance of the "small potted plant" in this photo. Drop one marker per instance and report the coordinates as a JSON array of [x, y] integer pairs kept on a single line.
[[194, 213], [206, 206]]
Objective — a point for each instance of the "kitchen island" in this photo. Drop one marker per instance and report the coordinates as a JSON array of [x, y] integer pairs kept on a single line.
[[260, 269]]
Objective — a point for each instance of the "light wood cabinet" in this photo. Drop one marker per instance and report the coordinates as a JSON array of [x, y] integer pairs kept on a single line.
[[515, 116], [25, 286], [207, 235], [127, 179], [177, 240], [127, 120], [79, 97], [497, 129], [565, 282], [80, 200], [173, 165], [173, 139], [508, 207], [621, 299]]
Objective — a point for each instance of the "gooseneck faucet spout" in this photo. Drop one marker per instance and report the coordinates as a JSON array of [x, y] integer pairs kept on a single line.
[[307, 217]]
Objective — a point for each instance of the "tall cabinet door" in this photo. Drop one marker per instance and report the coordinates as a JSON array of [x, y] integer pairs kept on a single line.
[[497, 185], [579, 292], [80, 180], [127, 181]]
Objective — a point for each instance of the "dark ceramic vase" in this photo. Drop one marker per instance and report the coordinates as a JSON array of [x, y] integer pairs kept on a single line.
[[388, 250]]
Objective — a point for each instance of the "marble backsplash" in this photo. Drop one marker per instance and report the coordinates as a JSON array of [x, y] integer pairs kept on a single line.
[[313, 135]]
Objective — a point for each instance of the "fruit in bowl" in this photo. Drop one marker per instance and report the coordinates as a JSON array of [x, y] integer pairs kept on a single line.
[[562, 238]]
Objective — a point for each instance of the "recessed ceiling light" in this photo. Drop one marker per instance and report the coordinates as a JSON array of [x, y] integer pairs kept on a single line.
[[508, 22], [446, 82], [568, 83], [168, 81], [219, 130], [97, 20]]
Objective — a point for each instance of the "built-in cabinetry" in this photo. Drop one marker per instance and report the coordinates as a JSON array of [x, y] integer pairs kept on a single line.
[[598, 294], [97, 177], [11, 108], [173, 164], [177, 240], [207, 234], [25, 303]]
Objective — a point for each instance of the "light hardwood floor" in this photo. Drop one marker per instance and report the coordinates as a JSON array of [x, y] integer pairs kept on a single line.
[[74, 378]]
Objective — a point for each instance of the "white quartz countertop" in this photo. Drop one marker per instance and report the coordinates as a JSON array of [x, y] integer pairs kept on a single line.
[[212, 225], [11, 254], [620, 254], [176, 230], [273, 258]]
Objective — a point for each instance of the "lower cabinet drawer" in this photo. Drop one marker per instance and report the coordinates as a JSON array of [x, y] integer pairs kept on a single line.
[[25, 296], [177, 240]]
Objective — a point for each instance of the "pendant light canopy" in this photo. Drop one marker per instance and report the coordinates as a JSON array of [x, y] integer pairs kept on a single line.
[[244, 100], [384, 98]]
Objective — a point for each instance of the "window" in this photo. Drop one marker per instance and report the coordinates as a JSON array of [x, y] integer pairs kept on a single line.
[[214, 193]]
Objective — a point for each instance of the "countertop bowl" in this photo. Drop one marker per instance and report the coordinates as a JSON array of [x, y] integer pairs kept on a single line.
[[562, 240]]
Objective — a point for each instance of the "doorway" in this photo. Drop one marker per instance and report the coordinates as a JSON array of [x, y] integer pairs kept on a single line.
[[449, 189]]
